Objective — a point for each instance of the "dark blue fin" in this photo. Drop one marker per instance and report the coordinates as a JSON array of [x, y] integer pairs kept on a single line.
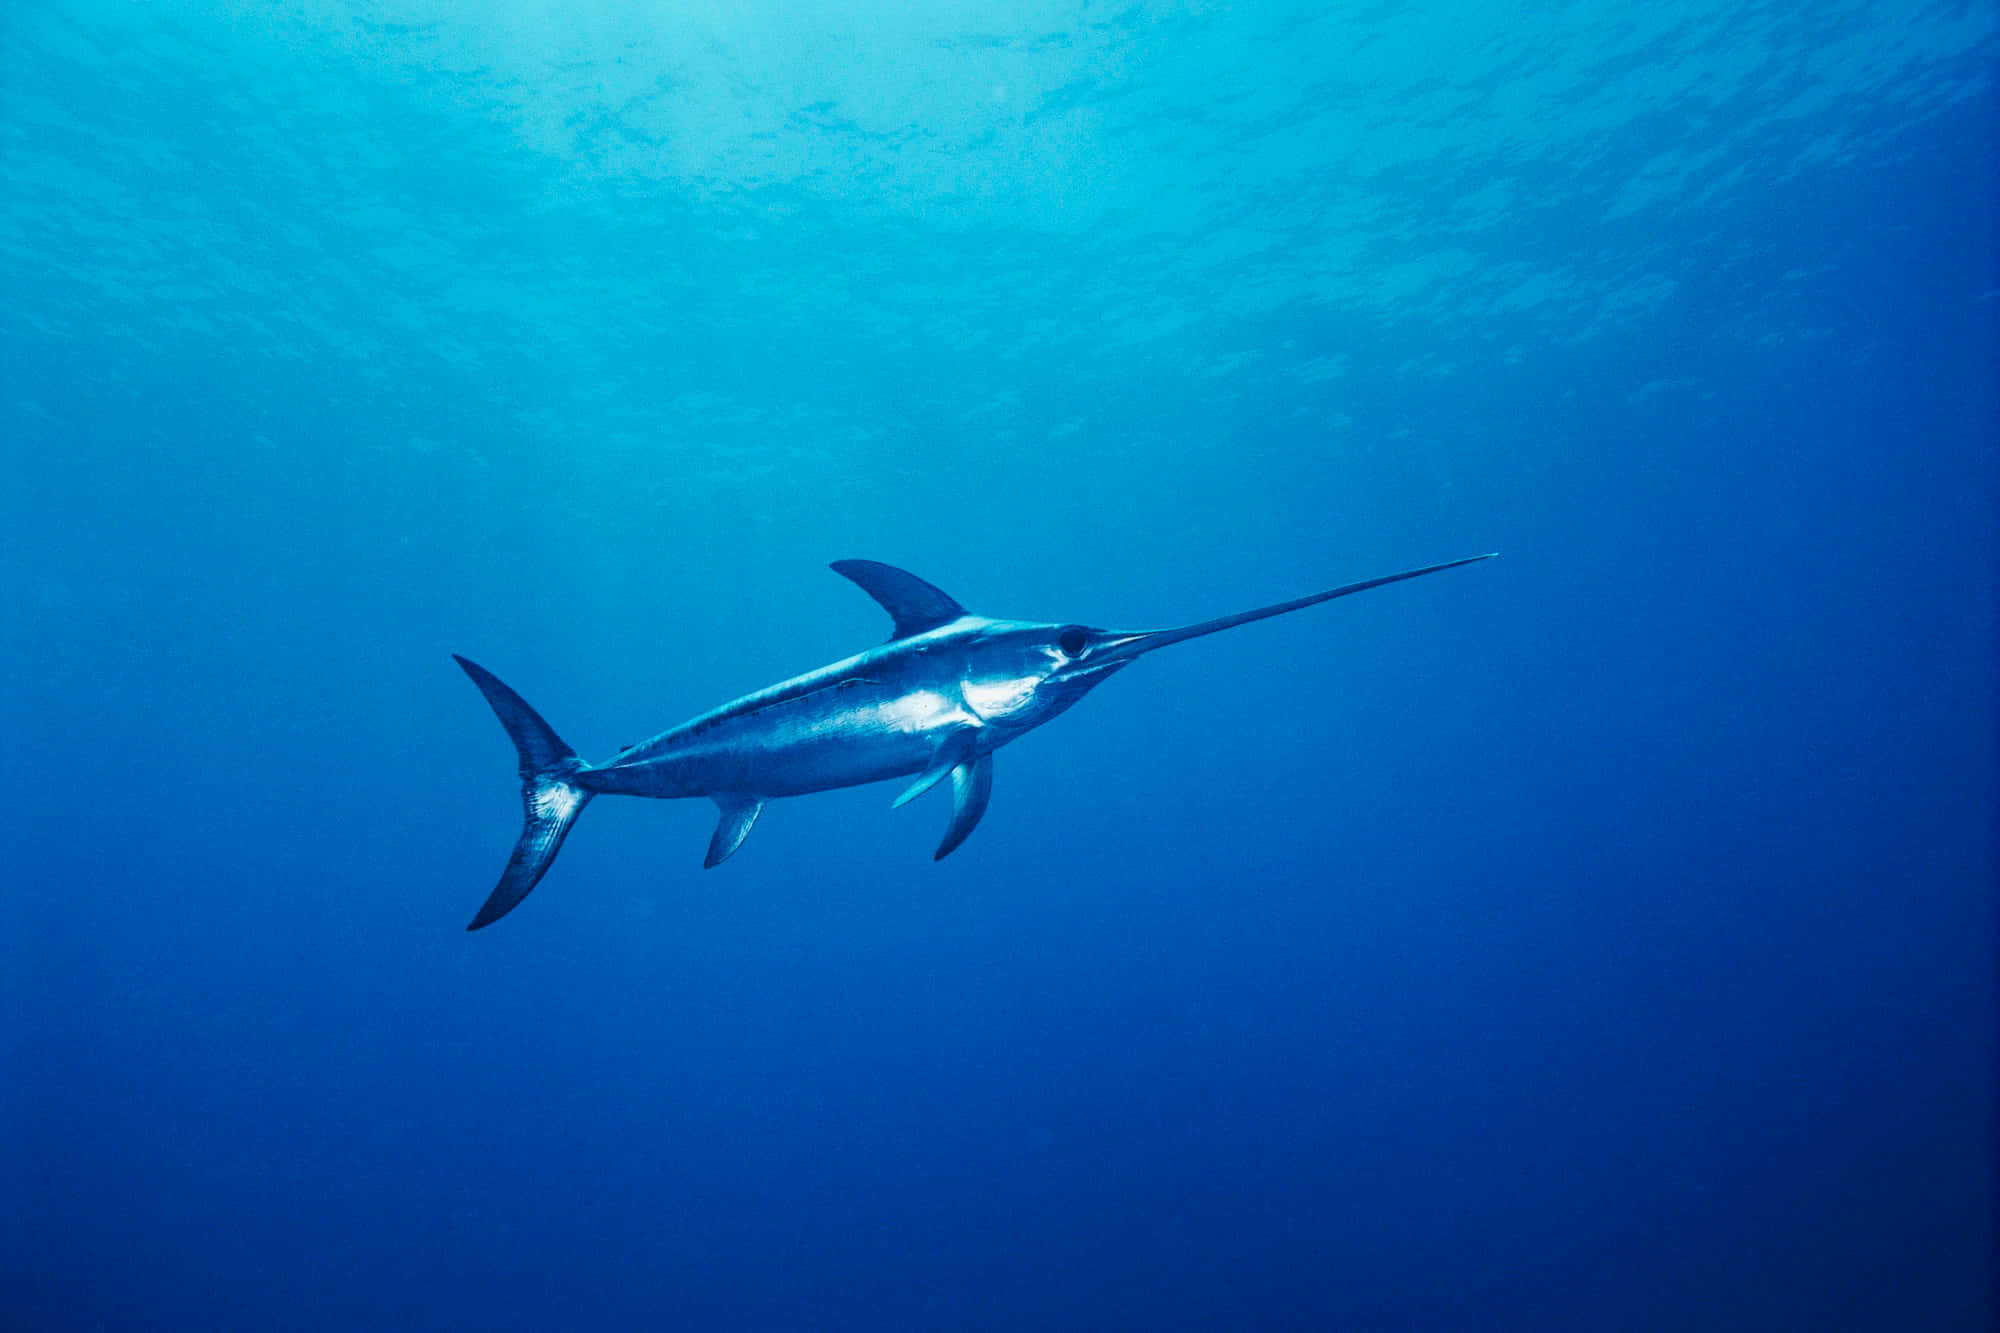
[[952, 751], [550, 800], [913, 604], [738, 814], [971, 788]]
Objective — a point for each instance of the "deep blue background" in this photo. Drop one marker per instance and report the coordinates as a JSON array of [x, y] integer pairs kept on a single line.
[[1601, 937]]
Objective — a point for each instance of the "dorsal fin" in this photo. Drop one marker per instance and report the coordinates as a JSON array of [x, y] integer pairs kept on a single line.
[[913, 604]]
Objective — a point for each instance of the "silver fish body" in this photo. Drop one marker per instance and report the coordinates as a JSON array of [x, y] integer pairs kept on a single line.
[[877, 715]]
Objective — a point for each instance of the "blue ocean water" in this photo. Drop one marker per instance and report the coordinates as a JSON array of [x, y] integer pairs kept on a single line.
[[1599, 937]]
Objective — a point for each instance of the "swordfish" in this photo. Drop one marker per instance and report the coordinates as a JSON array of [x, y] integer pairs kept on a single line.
[[935, 701]]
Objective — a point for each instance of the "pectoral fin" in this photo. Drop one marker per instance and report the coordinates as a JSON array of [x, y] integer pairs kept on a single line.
[[971, 788], [738, 814], [952, 751]]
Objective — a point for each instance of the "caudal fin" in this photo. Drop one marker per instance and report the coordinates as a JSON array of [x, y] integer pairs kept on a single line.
[[551, 798]]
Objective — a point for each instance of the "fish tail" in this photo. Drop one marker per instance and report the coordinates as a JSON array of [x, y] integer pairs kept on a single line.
[[550, 794]]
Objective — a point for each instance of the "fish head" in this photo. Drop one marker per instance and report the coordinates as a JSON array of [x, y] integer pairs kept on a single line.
[[1018, 675]]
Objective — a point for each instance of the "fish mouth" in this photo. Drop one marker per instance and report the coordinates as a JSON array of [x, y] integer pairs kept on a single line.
[[1111, 649]]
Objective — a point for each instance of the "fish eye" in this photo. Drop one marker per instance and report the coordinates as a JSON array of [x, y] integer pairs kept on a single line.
[[1073, 641]]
